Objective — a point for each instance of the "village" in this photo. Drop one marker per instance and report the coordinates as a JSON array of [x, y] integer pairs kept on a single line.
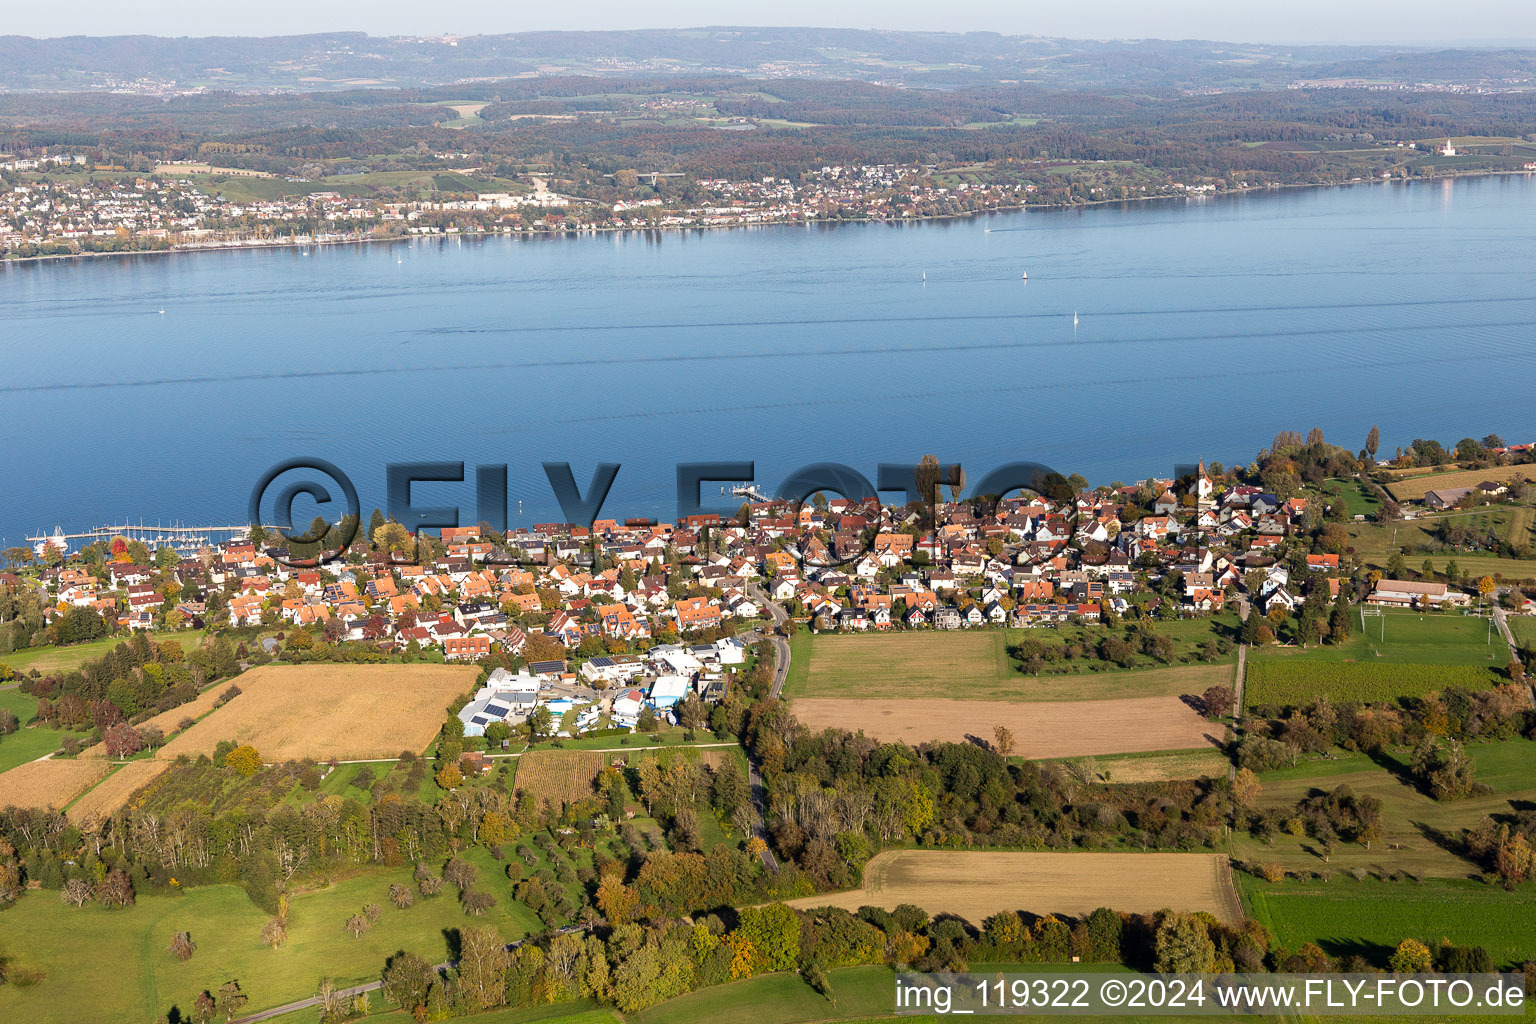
[[630, 624], [182, 206]]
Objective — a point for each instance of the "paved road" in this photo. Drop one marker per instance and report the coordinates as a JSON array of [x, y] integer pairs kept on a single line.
[[780, 645]]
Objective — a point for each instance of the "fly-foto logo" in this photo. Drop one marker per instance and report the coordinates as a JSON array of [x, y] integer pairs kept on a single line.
[[918, 483]]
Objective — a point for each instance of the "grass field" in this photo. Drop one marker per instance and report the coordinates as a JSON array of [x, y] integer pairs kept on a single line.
[[51, 783], [1524, 629], [1160, 766], [559, 775], [54, 659], [975, 665], [321, 711], [113, 792], [1386, 659], [975, 885], [1370, 918], [29, 742], [1417, 829], [1412, 488], [120, 955], [1040, 729], [1376, 543]]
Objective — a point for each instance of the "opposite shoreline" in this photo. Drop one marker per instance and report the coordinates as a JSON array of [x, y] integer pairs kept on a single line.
[[602, 229]]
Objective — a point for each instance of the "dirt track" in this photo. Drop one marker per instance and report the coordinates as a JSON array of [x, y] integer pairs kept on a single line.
[[1040, 729]]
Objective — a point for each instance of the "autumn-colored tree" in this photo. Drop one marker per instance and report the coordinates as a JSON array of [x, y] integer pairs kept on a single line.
[[274, 933], [483, 961], [1002, 740], [449, 776], [617, 901], [1246, 787], [122, 740], [357, 924], [400, 896], [182, 947], [1411, 957], [115, 890], [244, 760]]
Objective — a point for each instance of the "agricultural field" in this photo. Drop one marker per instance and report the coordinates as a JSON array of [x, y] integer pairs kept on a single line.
[[975, 885], [1402, 653], [976, 665], [168, 721], [348, 712], [103, 799], [1371, 917], [52, 783], [1041, 729], [56, 659], [1413, 488], [120, 955], [1157, 766], [559, 775], [1416, 828]]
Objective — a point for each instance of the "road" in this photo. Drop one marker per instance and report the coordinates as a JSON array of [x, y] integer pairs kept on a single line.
[[780, 645], [780, 673]]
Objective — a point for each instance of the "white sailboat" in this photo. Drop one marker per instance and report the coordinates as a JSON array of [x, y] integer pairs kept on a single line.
[[1024, 276], [1074, 320]]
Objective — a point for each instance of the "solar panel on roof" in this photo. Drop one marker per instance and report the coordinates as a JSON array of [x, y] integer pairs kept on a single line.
[[479, 720], [497, 710]]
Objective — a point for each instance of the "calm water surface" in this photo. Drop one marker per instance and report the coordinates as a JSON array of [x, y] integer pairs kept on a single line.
[[1203, 328]]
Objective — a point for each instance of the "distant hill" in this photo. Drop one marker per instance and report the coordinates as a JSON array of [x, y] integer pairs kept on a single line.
[[348, 60]]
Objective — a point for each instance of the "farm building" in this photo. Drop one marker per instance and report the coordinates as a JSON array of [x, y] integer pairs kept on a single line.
[[1408, 594]]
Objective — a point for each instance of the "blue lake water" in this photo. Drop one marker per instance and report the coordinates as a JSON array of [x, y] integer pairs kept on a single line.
[[1203, 328]]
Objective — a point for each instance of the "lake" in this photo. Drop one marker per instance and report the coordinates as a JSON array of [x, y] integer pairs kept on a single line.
[[1203, 328]]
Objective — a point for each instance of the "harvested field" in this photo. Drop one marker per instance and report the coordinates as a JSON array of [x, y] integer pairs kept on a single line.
[[51, 783], [349, 712], [558, 775], [978, 884], [1041, 729], [114, 791]]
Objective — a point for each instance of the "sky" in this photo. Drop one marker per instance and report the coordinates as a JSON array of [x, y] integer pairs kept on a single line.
[[1288, 21]]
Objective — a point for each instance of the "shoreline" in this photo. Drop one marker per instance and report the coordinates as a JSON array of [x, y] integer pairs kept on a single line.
[[606, 229]]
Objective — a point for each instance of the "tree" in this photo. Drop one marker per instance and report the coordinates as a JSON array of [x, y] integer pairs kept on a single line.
[[244, 760], [483, 960], [461, 873], [122, 741], [274, 933], [1373, 440], [357, 924], [1246, 787], [476, 903], [449, 776], [231, 999], [115, 890], [1411, 957], [76, 891], [401, 896], [1002, 740], [774, 932], [182, 947], [407, 979], [496, 735], [1485, 587], [1218, 701], [1183, 945]]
